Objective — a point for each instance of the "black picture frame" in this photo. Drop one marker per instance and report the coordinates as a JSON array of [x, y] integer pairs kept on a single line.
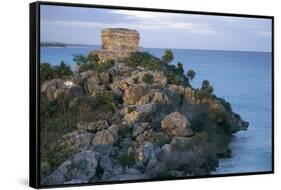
[[34, 98]]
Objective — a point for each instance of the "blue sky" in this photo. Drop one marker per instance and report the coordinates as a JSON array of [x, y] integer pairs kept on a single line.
[[159, 30]]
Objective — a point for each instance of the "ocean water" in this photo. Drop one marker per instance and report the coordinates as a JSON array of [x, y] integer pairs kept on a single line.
[[243, 78]]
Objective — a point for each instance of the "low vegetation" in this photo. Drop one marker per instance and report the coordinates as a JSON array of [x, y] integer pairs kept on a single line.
[[174, 73], [48, 71], [145, 60], [126, 159], [91, 62], [105, 101], [148, 78]]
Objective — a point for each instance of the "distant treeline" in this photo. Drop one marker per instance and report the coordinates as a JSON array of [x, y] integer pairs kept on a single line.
[[52, 44]]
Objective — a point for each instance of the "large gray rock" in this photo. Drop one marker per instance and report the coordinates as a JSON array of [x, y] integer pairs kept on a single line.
[[81, 166], [134, 93], [106, 136], [139, 112], [91, 81], [140, 128], [176, 124], [165, 151], [76, 141], [61, 89], [146, 152], [156, 169], [143, 132], [106, 164], [56, 178]]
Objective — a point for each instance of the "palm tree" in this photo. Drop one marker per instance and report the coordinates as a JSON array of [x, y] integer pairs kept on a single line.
[[167, 57], [205, 84], [190, 74], [180, 68]]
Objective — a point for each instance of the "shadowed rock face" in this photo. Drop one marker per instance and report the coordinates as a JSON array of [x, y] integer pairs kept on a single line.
[[117, 44]]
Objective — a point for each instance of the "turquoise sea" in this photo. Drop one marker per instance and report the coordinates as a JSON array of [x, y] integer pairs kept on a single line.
[[243, 78]]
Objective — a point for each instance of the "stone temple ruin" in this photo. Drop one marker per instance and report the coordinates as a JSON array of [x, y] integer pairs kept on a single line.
[[117, 44]]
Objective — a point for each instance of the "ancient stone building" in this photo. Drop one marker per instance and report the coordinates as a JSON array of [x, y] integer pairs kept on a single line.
[[117, 44]]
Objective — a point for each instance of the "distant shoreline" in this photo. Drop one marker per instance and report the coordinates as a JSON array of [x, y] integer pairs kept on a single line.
[[52, 44], [141, 48]]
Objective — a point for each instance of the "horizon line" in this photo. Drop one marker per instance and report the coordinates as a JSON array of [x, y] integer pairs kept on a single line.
[[204, 49]]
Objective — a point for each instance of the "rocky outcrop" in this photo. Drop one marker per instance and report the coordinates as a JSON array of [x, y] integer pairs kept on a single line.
[[81, 167], [132, 123], [61, 89], [92, 126], [106, 136], [138, 113], [176, 124], [134, 93]]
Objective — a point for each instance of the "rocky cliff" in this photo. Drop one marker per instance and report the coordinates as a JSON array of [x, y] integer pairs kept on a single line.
[[130, 122]]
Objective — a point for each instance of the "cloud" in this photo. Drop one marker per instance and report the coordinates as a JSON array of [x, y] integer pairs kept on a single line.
[[142, 25], [145, 14], [143, 20]]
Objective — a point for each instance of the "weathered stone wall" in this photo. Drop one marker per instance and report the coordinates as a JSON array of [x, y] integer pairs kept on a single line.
[[117, 44], [120, 39], [118, 55]]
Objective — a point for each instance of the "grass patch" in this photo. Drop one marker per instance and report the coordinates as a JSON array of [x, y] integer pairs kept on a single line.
[[126, 159]]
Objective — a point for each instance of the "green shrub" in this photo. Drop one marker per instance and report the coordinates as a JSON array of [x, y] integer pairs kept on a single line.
[[80, 59], [174, 74], [143, 59], [48, 72], [86, 67], [173, 78], [101, 67], [104, 66], [167, 57], [126, 159], [93, 58], [148, 78], [105, 101]]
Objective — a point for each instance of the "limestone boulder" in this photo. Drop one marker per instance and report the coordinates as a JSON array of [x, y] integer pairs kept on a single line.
[[106, 136], [61, 89], [176, 124], [139, 112], [134, 93], [76, 141], [81, 166]]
